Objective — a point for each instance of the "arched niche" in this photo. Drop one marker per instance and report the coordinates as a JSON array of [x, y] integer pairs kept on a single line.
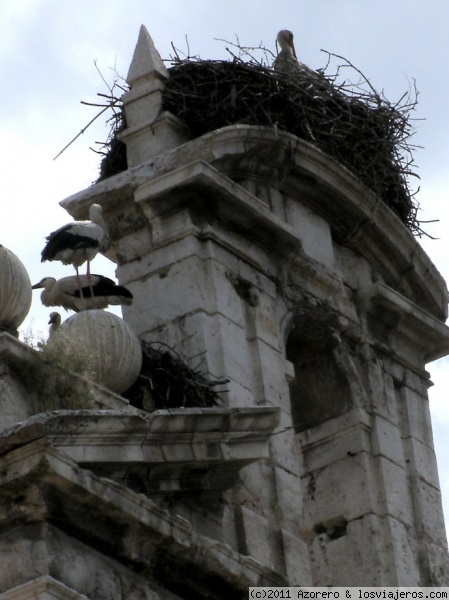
[[323, 379]]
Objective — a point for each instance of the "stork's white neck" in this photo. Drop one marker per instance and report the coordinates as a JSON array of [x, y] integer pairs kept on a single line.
[[96, 216]]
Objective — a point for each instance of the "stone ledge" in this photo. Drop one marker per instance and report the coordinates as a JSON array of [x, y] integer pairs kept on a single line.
[[332, 440], [201, 180], [169, 451], [45, 587], [355, 213], [41, 483], [17, 355], [395, 315]]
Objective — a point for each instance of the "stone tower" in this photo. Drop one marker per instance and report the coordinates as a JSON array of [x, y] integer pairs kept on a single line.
[[253, 249]]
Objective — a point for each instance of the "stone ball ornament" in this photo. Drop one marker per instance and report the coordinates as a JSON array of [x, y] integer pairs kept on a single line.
[[15, 291], [113, 350]]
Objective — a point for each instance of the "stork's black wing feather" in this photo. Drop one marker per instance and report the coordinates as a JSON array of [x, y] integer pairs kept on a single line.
[[103, 286], [65, 238]]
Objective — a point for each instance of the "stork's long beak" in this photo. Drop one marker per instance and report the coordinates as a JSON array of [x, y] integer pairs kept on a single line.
[[36, 286]]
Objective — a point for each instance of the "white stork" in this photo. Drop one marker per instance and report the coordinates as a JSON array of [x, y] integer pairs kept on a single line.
[[77, 293], [54, 322], [286, 61], [78, 242]]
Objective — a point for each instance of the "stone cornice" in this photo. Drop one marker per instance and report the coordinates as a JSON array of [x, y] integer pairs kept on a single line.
[[401, 324], [62, 492], [357, 217], [173, 450]]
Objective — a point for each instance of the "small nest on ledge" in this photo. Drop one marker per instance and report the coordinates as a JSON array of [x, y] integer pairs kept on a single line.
[[350, 122], [167, 381]]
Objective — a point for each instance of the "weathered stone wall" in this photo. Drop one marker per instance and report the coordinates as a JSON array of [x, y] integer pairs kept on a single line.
[[311, 328], [260, 260], [282, 272]]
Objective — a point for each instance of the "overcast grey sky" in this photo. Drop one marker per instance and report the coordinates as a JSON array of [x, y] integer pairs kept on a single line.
[[47, 54]]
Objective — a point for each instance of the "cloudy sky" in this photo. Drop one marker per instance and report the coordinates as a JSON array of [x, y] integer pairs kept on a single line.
[[47, 54]]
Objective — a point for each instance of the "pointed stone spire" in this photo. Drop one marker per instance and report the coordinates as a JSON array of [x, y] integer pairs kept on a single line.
[[146, 59], [150, 130]]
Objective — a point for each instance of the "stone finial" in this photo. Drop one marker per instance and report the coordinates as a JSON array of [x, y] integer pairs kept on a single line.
[[15, 291], [146, 59], [111, 348]]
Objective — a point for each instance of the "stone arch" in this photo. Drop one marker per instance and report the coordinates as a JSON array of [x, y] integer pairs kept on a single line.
[[324, 380]]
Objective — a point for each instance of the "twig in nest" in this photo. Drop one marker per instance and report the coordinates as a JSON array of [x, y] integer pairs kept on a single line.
[[81, 132], [251, 52], [113, 103]]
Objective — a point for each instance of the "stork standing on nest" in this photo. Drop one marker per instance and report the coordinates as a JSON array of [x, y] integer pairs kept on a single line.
[[286, 61], [77, 293], [78, 242]]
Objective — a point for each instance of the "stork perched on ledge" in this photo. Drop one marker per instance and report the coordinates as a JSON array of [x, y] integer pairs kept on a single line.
[[81, 292], [78, 242]]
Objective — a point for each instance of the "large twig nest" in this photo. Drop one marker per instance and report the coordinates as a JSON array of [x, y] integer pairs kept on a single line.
[[361, 130], [352, 123]]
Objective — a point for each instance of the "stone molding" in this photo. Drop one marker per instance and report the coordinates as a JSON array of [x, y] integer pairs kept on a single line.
[[44, 587], [181, 450], [41, 482], [358, 218], [402, 324]]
